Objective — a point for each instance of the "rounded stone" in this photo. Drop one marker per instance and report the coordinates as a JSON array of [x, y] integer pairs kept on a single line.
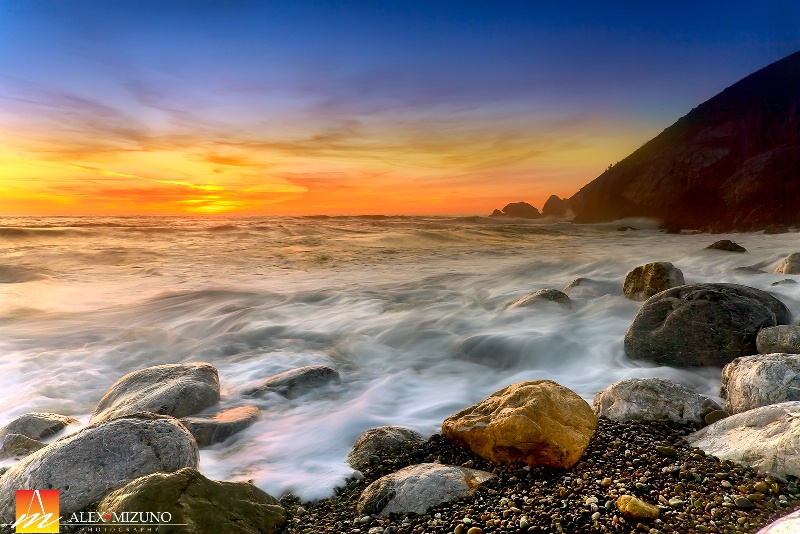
[[538, 422], [702, 324], [174, 389], [377, 444], [647, 280]]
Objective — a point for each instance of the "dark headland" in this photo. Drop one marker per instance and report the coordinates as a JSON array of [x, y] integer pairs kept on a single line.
[[730, 164]]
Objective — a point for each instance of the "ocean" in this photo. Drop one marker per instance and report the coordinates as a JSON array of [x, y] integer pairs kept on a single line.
[[412, 312]]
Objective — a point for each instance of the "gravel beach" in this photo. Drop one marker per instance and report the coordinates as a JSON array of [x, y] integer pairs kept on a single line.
[[694, 492]]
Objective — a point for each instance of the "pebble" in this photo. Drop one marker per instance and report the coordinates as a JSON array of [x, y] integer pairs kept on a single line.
[[743, 502], [475, 530]]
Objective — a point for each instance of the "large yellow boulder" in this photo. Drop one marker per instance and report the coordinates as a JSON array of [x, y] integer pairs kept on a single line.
[[537, 422]]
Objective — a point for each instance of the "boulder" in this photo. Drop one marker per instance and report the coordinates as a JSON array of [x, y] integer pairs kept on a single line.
[[752, 381], [17, 446], [766, 438], [702, 324], [652, 399], [555, 207], [790, 264], [626, 228], [36, 425], [523, 210], [87, 465], [726, 245], [783, 338], [784, 282], [542, 296], [296, 382], [537, 422], [644, 281], [174, 389], [418, 488], [788, 524], [377, 444], [210, 429], [497, 213], [198, 505]]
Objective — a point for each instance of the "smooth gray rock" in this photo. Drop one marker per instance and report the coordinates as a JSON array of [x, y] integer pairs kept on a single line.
[[788, 524], [418, 488], [377, 444], [296, 382], [644, 281], [752, 381], [210, 429], [174, 389], [652, 399], [542, 296], [766, 439], [17, 445], [790, 264], [38, 425], [702, 324], [783, 338], [87, 465], [726, 245]]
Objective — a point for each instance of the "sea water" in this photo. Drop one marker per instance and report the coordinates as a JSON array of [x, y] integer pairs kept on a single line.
[[411, 311]]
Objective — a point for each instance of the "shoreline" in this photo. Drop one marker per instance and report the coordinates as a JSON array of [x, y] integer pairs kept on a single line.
[[695, 492]]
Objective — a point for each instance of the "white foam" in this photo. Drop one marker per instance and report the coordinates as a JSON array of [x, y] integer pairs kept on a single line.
[[411, 311]]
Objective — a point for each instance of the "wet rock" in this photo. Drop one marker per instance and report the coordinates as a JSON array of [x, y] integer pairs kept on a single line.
[[790, 264], [210, 429], [36, 425], [626, 228], [752, 381], [377, 444], [542, 296], [784, 282], [17, 445], [644, 281], [537, 422], [636, 508], [198, 504], [727, 245], [788, 524], [652, 399], [702, 324], [588, 288], [418, 488], [766, 438], [783, 338], [175, 389], [100, 458], [296, 382]]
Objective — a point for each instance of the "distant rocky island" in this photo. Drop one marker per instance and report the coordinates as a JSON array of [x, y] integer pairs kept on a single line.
[[730, 164]]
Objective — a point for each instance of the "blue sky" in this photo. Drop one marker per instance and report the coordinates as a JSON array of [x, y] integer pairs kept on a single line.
[[465, 103]]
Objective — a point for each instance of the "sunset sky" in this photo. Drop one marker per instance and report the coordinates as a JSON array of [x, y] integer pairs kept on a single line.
[[350, 107]]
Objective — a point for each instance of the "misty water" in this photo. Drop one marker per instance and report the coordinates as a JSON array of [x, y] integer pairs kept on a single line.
[[412, 312]]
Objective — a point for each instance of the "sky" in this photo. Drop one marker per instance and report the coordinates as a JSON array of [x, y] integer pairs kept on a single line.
[[350, 107]]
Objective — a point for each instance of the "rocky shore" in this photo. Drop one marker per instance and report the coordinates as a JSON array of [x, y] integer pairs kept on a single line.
[[693, 492], [649, 455]]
